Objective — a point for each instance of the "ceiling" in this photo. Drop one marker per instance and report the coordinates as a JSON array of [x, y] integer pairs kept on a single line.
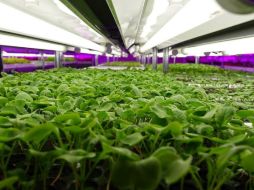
[[53, 13], [145, 23], [98, 14]]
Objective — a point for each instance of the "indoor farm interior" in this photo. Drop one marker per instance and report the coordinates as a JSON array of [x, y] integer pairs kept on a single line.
[[127, 95]]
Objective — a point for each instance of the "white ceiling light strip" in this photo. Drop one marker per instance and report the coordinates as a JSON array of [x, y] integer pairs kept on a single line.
[[232, 47], [9, 40], [193, 14], [159, 7], [82, 50], [6, 54], [19, 22], [66, 10]]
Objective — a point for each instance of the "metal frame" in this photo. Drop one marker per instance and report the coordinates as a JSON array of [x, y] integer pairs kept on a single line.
[[1, 61], [108, 59], [42, 60], [174, 58], [165, 60], [96, 60], [197, 59], [58, 59], [155, 59], [145, 60], [235, 32]]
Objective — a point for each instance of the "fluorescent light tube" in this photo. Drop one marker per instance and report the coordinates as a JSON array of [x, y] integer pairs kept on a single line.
[[232, 47], [6, 54], [19, 22], [114, 52], [159, 7], [9, 40], [82, 50], [193, 14]]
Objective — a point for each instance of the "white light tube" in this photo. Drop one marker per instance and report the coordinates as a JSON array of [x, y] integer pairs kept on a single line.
[[66, 10], [193, 14], [232, 47], [114, 52], [9, 40], [159, 7], [6, 54], [19, 22], [90, 52], [109, 55]]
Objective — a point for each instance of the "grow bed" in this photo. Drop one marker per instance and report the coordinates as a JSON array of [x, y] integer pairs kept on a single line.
[[9, 68], [246, 69], [116, 68], [91, 129], [77, 65], [123, 64]]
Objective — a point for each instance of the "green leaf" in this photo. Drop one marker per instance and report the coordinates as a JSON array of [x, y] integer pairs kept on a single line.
[[9, 134], [68, 118], [160, 111], [136, 90], [132, 139], [119, 151], [147, 174], [245, 113], [24, 96], [226, 154], [166, 155], [5, 122], [105, 107], [3, 101], [178, 99], [74, 130], [9, 111], [178, 169], [8, 182], [224, 115], [247, 162], [204, 129], [39, 133], [141, 175], [74, 156]]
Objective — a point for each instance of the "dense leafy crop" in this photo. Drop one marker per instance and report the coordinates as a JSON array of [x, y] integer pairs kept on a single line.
[[124, 64], [91, 129], [15, 60]]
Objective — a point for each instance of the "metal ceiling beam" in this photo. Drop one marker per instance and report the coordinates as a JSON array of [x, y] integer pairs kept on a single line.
[[238, 31]]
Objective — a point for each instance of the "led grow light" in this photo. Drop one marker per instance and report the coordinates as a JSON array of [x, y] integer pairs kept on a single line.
[[189, 17], [9, 40], [66, 10], [6, 54], [232, 47], [82, 50], [20, 54], [31, 3], [19, 22], [159, 7], [109, 55], [115, 52]]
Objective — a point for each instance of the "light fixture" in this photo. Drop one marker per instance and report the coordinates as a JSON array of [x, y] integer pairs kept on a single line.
[[16, 41], [158, 8], [109, 55], [6, 54], [31, 3], [231, 47], [63, 8], [82, 50], [115, 52], [66, 10], [18, 22], [193, 14]]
